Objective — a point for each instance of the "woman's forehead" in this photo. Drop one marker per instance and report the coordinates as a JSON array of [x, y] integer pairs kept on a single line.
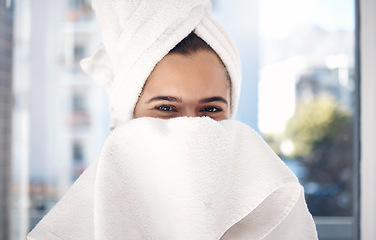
[[202, 67]]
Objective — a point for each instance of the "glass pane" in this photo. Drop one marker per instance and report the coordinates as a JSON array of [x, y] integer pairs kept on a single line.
[[306, 96], [61, 115], [298, 60], [298, 91]]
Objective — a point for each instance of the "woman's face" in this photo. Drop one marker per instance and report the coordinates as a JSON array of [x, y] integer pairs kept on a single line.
[[192, 85]]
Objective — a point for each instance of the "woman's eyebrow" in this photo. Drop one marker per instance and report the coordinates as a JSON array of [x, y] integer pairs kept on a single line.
[[165, 98], [214, 99]]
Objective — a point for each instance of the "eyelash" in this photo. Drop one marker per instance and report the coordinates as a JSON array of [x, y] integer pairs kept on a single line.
[[211, 109], [160, 108], [168, 108]]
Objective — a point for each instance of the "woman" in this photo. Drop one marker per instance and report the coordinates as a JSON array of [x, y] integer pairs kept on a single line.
[[174, 166]]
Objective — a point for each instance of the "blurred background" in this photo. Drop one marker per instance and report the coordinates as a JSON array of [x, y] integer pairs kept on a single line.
[[299, 91]]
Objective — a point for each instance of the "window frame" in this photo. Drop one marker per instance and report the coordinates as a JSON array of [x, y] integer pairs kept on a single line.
[[331, 228], [367, 35], [364, 218]]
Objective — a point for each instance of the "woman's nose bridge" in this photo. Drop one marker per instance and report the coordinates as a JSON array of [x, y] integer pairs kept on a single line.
[[189, 112]]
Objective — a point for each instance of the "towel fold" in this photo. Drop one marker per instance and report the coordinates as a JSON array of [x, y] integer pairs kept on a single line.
[[183, 178], [137, 34]]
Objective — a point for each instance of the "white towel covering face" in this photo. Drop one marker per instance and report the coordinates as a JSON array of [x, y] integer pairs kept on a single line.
[[183, 178], [137, 34]]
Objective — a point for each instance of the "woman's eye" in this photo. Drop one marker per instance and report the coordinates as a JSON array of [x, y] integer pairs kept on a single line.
[[211, 109], [165, 108]]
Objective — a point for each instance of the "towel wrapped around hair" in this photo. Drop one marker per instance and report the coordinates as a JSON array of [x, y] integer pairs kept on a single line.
[[183, 178], [137, 34]]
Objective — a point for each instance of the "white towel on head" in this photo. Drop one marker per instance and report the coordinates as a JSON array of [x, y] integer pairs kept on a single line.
[[137, 34], [183, 178]]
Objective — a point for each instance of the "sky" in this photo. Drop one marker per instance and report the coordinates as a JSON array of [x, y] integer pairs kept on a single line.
[[277, 17]]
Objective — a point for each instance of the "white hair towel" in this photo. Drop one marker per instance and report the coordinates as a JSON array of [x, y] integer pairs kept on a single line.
[[137, 34], [183, 178]]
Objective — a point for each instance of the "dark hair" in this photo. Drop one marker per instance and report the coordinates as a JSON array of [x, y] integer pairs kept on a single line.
[[193, 43]]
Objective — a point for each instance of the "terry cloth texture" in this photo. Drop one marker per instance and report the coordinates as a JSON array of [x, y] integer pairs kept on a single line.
[[137, 34], [183, 178]]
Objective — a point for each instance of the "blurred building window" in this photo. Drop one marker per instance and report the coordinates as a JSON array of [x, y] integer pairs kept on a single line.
[[78, 153], [78, 103], [79, 11], [77, 4], [78, 158], [79, 52]]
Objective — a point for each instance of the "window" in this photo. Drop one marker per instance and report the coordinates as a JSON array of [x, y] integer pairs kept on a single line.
[[79, 52], [299, 68], [75, 4], [78, 103], [300, 91], [60, 115], [78, 157], [367, 35], [79, 11], [78, 154]]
